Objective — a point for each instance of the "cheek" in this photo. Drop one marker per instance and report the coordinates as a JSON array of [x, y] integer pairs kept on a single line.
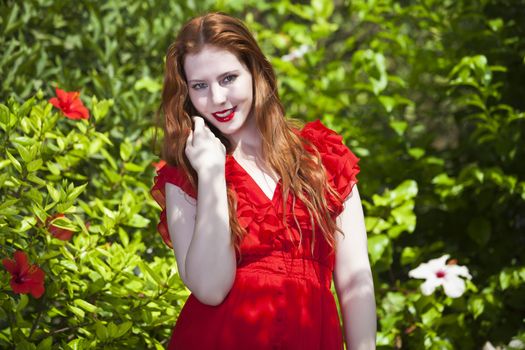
[[199, 101], [244, 91]]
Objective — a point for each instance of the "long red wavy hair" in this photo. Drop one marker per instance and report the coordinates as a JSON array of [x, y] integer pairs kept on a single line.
[[282, 148]]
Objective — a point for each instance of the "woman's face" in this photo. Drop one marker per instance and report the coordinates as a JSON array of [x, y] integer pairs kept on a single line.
[[220, 88]]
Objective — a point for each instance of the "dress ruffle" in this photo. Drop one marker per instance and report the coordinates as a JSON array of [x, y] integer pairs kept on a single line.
[[176, 177], [340, 163], [254, 211]]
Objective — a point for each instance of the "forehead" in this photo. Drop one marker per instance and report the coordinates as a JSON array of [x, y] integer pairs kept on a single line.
[[210, 62]]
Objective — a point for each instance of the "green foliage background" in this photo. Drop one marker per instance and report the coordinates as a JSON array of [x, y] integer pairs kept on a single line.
[[428, 93]]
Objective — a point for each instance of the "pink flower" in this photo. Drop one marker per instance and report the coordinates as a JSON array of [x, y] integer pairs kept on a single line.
[[25, 278], [70, 104], [437, 273]]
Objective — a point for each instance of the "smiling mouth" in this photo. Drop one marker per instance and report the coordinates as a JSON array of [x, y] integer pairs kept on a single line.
[[225, 113]]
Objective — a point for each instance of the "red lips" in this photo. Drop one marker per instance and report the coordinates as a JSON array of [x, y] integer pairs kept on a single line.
[[225, 115]]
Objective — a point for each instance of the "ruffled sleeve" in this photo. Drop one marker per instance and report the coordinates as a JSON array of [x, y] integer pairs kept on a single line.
[[340, 163], [174, 176]]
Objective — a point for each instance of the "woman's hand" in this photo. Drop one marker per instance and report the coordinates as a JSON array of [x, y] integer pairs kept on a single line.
[[205, 152]]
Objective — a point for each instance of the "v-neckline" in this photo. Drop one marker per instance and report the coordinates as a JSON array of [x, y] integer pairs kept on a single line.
[[247, 174]]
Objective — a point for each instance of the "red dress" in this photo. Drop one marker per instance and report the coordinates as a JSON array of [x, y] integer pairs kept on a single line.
[[281, 296]]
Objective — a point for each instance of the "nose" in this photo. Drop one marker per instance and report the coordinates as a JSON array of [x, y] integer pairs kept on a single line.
[[218, 94]]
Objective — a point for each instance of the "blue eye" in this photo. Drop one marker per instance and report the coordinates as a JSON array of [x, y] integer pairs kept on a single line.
[[198, 86], [230, 78]]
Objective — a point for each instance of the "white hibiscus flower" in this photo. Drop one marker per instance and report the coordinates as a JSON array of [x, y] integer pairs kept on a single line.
[[437, 273]]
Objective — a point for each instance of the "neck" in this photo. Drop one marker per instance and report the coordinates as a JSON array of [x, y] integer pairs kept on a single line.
[[247, 143], [248, 150]]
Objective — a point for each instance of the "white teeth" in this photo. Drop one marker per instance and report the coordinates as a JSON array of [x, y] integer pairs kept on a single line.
[[224, 114]]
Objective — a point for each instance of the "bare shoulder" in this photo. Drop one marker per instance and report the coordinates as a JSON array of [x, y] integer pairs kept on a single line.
[[351, 249], [181, 212]]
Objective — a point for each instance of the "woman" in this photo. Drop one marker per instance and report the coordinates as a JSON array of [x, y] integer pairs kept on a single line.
[[262, 212]]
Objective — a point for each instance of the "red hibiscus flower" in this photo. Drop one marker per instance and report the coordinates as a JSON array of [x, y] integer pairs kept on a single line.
[[25, 278], [158, 165], [57, 232], [70, 104]]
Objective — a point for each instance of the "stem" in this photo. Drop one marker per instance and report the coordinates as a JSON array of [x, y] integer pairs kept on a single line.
[[61, 330], [11, 322], [37, 319]]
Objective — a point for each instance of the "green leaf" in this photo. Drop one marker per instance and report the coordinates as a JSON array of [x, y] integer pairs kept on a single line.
[[77, 311], [496, 24], [26, 107], [67, 254], [124, 237], [65, 223], [24, 153], [36, 179], [14, 161], [123, 328], [126, 150], [479, 229], [399, 126], [85, 305], [22, 303], [76, 192], [134, 167], [416, 152], [45, 344], [138, 221], [149, 272], [70, 265], [95, 146], [101, 109], [476, 306], [505, 279], [109, 158], [80, 222], [78, 344], [53, 168], [323, 8], [430, 317], [53, 192], [409, 255], [396, 230], [34, 165], [112, 329], [148, 84], [5, 117], [8, 203], [404, 214], [388, 103], [101, 267], [376, 246], [4, 163], [101, 331], [23, 344]]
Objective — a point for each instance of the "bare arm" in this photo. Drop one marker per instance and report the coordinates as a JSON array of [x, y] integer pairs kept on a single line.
[[353, 277], [201, 232], [210, 262]]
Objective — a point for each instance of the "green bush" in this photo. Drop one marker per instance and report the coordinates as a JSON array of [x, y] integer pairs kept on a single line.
[[100, 290], [427, 93]]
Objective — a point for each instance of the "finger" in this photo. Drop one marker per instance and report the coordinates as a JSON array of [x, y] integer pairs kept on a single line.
[[208, 130], [199, 123], [189, 140]]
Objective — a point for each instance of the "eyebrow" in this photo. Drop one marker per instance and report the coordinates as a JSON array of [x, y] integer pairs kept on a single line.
[[236, 71]]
